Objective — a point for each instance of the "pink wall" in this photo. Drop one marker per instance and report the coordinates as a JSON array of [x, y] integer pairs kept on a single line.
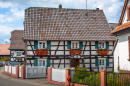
[[23, 72]]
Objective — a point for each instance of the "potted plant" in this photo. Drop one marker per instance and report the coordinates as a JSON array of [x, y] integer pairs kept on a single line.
[[103, 52], [20, 58], [75, 51], [42, 52], [16, 58]]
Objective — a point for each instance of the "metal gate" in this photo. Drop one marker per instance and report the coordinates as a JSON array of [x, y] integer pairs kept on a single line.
[[117, 79], [35, 72]]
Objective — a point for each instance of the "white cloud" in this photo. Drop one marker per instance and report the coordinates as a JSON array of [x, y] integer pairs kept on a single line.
[[6, 40]]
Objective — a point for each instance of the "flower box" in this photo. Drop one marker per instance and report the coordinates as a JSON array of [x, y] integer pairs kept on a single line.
[[42, 52], [103, 52], [75, 51]]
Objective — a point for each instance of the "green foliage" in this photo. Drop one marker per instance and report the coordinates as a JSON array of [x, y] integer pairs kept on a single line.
[[84, 77], [5, 58], [118, 79]]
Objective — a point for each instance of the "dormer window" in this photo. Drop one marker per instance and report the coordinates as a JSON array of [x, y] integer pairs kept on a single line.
[[128, 13]]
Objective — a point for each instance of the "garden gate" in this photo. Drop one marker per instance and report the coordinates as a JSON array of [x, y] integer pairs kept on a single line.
[[35, 71]]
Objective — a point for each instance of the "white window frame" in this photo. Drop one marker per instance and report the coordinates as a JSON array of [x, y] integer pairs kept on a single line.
[[42, 44], [42, 62], [101, 44], [74, 44], [104, 61], [18, 52]]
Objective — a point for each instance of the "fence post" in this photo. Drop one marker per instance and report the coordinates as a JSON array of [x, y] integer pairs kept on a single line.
[[103, 77], [17, 71], [49, 74], [23, 72], [67, 74]]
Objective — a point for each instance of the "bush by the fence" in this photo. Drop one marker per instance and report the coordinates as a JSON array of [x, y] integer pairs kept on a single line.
[[82, 76]]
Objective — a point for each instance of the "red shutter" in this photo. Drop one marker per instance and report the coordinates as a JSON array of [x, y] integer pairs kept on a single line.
[[129, 46]]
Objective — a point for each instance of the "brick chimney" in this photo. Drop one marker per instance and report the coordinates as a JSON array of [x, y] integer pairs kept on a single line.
[[97, 8], [60, 6]]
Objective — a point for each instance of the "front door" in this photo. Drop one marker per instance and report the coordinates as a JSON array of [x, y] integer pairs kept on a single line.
[[102, 64], [74, 63]]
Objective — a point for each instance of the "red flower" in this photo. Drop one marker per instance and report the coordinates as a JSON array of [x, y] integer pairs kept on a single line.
[[75, 51], [41, 52], [102, 51]]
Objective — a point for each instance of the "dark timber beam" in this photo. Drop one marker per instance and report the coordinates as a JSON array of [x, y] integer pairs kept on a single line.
[[90, 53], [57, 48], [31, 47], [64, 54], [59, 63]]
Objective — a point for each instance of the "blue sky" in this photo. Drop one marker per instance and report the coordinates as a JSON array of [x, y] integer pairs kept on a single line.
[[12, 11]]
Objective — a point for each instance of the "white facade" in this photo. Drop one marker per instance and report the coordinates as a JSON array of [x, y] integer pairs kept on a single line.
[[124, 20], [122, 51], [60, 51]]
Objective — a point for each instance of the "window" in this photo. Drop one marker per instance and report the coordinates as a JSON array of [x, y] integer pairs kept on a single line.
[[102, 61], [101, 45], [75, 45], [18, 53], [42, 45], [41, 62]]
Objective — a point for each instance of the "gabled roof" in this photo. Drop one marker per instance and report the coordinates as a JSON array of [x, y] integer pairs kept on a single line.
[[16, 41], [121, 27], [122, 13], [4, 49], [113, 25], [66, 24]]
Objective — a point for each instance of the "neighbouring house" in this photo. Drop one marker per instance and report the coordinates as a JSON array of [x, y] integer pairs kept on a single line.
[[71, 37], [17, 47], [113, 25], [122, 33], [4, 52]]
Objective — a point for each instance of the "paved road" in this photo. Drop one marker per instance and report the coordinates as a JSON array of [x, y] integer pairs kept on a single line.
[[6, 80]]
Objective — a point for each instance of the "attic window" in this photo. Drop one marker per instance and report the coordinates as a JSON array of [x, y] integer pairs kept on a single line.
[[128, 13]]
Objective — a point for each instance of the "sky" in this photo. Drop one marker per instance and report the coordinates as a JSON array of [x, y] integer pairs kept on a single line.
[[12, 11]]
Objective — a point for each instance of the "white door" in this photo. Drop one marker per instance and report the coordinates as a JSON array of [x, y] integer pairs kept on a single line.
[[102, 64]]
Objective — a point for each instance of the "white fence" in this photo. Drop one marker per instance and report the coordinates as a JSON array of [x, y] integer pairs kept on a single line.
[[59, 75], [9, 69], [19, 71], [6, 68], [13, 69], [35, 72]]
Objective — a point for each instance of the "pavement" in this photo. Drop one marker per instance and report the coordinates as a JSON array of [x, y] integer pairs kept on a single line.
[[7, 80]]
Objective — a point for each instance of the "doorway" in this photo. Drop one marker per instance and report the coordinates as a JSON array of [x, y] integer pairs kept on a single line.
[[74, 63]]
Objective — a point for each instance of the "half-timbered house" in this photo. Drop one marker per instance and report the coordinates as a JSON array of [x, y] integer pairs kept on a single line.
[[122, 33], [59, 30], [17, 47]]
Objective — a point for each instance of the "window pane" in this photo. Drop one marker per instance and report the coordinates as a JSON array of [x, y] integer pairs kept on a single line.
[[40, 62], [76, 45], [102, 45], [44, 63], [100, 62], [43, 45], [18, 53], [99, 45], [40, 44], [73, 46]]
